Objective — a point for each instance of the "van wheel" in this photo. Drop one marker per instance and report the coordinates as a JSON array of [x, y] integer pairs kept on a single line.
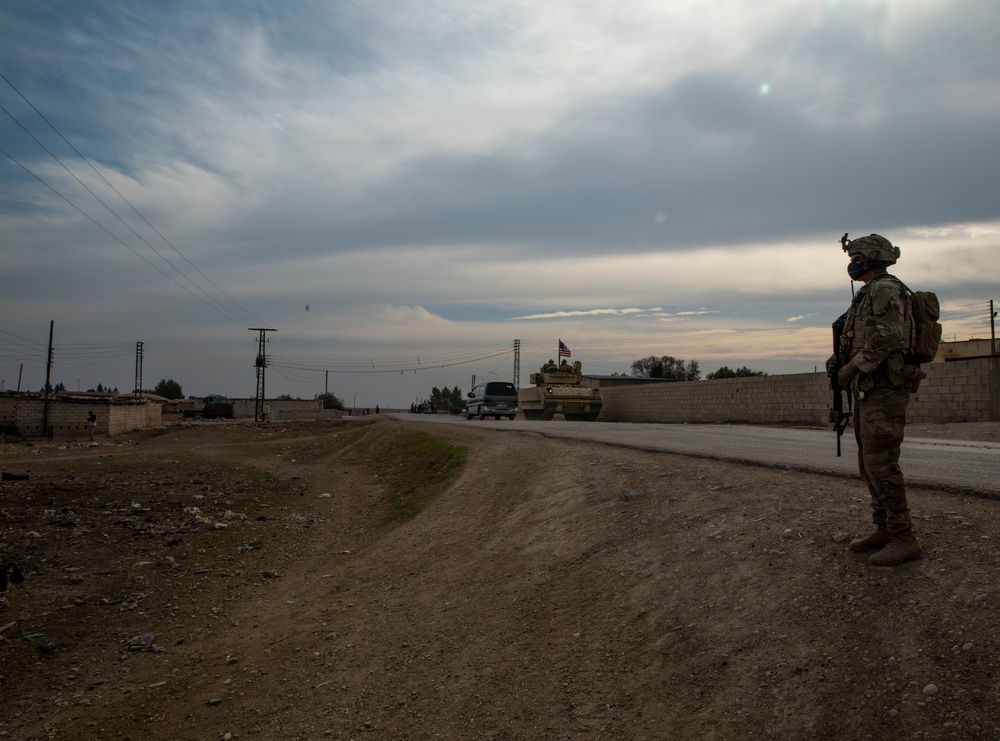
[[512, 417], [482, 414]]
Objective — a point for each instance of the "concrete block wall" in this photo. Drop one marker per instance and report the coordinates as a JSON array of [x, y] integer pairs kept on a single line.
[[131, 416], [67, 419], [68, 416], [279, 408], [8, 413], [799, 398], [960, 391]]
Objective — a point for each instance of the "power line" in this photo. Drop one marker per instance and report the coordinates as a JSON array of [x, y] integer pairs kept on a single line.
[[112, 212], [22, 349], [114, 237], [69, 357], [401, 368], [129, 203], [219, 306], [392, 365], [23, 339]]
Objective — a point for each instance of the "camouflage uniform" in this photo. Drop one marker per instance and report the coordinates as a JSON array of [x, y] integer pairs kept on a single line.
[[876, 335]]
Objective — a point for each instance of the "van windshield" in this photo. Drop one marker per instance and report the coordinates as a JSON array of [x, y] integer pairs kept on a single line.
[[497, 388]]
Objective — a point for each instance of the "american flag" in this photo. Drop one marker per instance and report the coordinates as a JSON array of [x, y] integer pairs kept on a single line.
[[564, 351]]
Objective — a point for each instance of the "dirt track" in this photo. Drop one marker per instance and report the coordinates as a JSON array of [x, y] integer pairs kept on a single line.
[[555, 590]]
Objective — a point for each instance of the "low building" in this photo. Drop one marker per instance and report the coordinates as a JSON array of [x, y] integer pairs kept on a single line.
[[64, 415]]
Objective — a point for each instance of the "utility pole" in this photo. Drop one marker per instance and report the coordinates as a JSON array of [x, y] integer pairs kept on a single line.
[[260, 363], [138, 370], [48, 379], [517, 363], [993, 331]]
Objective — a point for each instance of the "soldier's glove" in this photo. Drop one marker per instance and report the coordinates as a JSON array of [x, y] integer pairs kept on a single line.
[[832, 365], [845, 374]]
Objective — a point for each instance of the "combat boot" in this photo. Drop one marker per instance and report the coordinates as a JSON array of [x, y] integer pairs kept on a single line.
[[879, 539], [900, 548]]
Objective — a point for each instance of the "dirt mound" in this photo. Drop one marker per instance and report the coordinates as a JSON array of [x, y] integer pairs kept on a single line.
[[224, 580]]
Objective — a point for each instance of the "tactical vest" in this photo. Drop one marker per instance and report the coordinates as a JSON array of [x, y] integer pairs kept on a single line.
[[860, 325], [859, 329]]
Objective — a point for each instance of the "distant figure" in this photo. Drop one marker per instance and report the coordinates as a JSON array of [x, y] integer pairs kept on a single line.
[[377, 409], [91, 423]]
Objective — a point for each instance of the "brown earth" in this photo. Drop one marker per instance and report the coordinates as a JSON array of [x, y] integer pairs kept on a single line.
[[554, 589]]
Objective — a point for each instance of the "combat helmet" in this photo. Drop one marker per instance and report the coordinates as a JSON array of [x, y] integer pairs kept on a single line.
[[877, 249]]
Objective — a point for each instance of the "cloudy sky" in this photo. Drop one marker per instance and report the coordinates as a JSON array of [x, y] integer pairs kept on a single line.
[[402, 189]]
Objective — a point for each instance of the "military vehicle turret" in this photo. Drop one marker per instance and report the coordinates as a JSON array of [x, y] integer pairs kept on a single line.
[[559, 389]]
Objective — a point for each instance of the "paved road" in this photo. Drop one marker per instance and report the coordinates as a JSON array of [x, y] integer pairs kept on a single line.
[[964, 466]]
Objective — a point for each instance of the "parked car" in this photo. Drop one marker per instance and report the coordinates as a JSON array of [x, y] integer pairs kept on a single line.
[[492, 399]]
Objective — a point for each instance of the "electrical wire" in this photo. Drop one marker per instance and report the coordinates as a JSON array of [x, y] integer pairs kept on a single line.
[[392, 365], [127, 202], [22, 339], [219, 307], [391, 368], [19, 351], [114, 237]]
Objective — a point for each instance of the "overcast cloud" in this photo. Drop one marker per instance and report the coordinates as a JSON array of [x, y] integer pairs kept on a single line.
[[395, 186]]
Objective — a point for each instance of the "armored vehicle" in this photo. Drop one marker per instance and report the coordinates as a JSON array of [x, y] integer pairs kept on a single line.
[[559, 389], [215, 406]]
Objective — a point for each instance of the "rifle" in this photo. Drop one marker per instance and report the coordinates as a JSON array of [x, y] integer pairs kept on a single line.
[[838, 416]]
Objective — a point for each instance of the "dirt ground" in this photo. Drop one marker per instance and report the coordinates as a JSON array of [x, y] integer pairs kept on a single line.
[[225, 581]]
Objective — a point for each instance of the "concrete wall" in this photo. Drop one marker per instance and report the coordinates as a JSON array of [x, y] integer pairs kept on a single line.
[[24, 414], [960, 391], [963, 349], [279, 408], [131, 416]]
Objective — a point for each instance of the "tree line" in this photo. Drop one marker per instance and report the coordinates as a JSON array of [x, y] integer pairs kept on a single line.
[[676, 369]]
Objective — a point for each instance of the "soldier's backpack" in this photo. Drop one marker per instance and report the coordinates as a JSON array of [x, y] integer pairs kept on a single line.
[[926, 335]]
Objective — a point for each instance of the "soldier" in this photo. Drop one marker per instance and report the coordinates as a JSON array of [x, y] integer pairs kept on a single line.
[[871, 364]]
